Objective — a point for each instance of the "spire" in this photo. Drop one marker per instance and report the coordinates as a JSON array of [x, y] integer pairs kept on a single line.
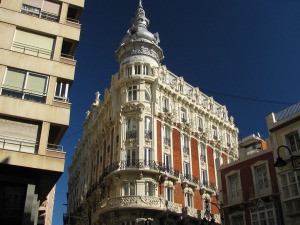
[[140, 4], [140, 18]]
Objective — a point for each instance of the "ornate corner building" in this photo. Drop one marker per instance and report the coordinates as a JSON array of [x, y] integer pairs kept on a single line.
[[150, 149], [37, 66]]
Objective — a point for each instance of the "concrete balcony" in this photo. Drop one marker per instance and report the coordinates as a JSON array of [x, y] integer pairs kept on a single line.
[[173, 207], [144, 202]]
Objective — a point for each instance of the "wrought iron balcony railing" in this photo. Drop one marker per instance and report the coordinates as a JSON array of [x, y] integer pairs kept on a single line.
[[148, 134], [131, 134]]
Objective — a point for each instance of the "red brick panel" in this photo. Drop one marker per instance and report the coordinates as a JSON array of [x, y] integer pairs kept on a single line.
[[211, 165], [195, 158], [224, 157], [178, 194], [198, 200], [177, 150], [158, 139]]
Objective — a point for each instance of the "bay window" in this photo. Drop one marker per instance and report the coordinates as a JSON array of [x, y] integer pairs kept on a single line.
[[128, 188], [149, 189]]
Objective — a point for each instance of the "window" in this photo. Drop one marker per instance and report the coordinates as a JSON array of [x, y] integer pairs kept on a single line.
[[204, 178], [180, 88], [200, 124], [137, 69], [186, 171], [149, 189], [261, 179], [183, 115], [293, 141], [185, 144], [215, 132], [128, 188], [25, 85], [131, 128], [264, 214], [165, 104], [145, 70], [228, 140], [42, 8], [132, 93], [33, 44], [237, 219], [147, 156], [233, 187], [290, 182], [147, 96], [130, 158], [167, 162], [202, 152], [169, 194], [167, 136], [61, 91], [148, 128], [188, 199], [128, 70]]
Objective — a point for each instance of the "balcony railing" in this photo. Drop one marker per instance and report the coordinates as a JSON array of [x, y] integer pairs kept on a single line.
[[148, 134], [18, 145], [186, 150], [190, 179], [33, 11], [191, 212], [174, 207], [167, 141], [165, 110], [32, 50], [203, 158], [131, 134]]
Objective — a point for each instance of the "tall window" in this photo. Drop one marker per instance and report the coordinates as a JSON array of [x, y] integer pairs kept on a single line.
[[228, 140], [130, 158], [137, 69], [149, 189], [167, 135], [61, 91], [33, 44], [165, 104], [145, 70], [132, 93], [261, 178], [215, 132], [167, 162], [293, 141], [200, 127], [204, 178], [42, 8], [202, 152], [188, 199], [290, 182], [147, 156], [131, 128], [148, 128], [128, 188], [128, 70], [186, 170], [264, 214], [183, 115], [25, 85], [233, 187], [185, 144], [169, 194]]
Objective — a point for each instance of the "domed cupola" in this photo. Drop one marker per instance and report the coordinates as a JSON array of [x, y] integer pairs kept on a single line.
[[139, 43]]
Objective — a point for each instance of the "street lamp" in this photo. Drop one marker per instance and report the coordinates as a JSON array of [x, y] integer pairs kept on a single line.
[[281, 163]]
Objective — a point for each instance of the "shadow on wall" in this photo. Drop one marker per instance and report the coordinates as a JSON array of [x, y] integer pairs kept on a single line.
[[5, 160]]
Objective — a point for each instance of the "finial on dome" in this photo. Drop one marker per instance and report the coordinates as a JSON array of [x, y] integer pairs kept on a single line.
[[140, 4]]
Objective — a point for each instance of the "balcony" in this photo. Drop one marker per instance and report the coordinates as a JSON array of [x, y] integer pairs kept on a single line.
[[233, 197], [189, 180], [207, 186], [18, 145], [33, 11], [132, 134], [167, 141], [145, 202], [191, 212], [186, 150], [165, 110], [148, 134], [32, 50], [173, 207], [261, 189]]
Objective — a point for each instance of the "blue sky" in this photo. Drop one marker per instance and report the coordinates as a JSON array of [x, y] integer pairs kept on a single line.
[[241, 52]]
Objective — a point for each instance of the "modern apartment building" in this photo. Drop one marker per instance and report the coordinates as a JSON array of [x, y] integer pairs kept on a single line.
[[249, 187], [284, 129], [37, 66], [149, 149]]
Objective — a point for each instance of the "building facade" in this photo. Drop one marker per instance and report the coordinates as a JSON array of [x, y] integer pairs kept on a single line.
[[37, 66], [149, 149], [284, 129], [249, 186]]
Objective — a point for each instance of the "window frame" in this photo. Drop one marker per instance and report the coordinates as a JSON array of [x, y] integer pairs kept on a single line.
[[132, 93]]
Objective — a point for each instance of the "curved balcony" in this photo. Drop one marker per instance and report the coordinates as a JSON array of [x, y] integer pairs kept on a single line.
[[191, 212], [173, 207], [148, 202]]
